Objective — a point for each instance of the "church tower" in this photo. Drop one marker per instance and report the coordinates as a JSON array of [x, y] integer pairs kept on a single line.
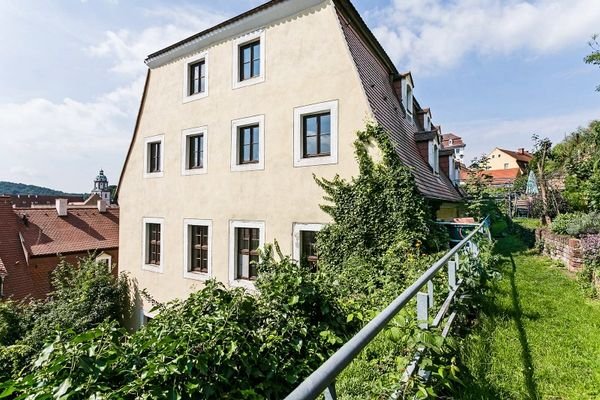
[[101, 187]]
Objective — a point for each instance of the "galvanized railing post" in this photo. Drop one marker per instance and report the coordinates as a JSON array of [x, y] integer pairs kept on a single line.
[[430, 293], [330, 393], [452, 275], [423, 310]]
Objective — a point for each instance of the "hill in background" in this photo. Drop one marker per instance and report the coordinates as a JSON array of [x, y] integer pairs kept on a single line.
[[11, 188]]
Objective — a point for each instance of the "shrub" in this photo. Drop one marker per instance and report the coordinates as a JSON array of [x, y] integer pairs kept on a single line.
[[84, 296], [590, 246], [561, 222]]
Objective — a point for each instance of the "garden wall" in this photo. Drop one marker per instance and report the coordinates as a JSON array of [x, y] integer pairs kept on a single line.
[[560, 247]]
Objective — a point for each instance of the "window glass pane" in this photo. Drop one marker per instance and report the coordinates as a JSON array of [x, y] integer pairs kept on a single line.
[[256, 51], [310, 126], [246, 139], [311, 145], [246, 54], [246, 71], [325, 145], [255, 152], [256, 68], [325, 123]]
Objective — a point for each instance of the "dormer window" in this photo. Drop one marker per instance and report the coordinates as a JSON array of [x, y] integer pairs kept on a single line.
[[409, 102], [450, 141], [427, 123]]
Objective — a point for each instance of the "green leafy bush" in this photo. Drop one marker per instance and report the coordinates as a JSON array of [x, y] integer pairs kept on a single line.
[[576, 224], [84, 296]]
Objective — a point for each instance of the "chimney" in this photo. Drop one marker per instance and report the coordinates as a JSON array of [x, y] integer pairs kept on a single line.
[[521, 151], [61, 207], [6, 208], [101, 206]]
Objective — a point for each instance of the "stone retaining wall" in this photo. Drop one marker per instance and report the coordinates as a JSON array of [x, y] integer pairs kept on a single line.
[[559, 247]]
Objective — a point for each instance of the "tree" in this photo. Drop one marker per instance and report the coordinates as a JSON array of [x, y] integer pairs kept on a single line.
[[594, 57], [541, 152]]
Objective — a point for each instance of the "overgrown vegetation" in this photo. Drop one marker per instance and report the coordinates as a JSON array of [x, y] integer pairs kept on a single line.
[[84, 296], [228, 343]]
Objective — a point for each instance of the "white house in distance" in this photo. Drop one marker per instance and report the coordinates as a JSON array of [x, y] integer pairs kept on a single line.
[[234, 122]]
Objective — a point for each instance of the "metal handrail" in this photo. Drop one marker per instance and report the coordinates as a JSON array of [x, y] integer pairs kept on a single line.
[[321, 379]]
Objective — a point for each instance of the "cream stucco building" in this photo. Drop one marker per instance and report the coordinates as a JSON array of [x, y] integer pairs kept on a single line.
[[233, 123]]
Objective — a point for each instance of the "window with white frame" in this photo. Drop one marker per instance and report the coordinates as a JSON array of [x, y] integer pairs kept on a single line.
[[193, 151], [247, 143], [249, 59], [195, 77], [245, 238], [505, 165], [436, 158], [316, 134], [197, 248], [409, 101], [154, 156], [153, 244], [427, 124], [106, 259], [304, 246]]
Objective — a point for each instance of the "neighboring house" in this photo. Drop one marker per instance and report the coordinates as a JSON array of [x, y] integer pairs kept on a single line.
[[501, 159], [452, 142], [33, 241], [33, 200], [233, 124]]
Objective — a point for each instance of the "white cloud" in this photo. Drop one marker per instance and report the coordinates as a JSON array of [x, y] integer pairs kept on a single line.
[[63, 144], [483, 135], [429, 35], [130, 49]]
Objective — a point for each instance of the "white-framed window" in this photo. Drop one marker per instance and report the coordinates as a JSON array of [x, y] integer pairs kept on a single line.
[[505, 165], [194, 146], [104, 258], [304, 249], [450, 141], [245, 238], [316, 134], [249, 59], [154, 150], [197, 256], [427, 125], [195, 77], [408, 100], [248, 144], [153, 255], [434, 156]]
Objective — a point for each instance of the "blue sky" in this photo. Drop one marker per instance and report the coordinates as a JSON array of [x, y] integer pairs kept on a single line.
[[492, 71]]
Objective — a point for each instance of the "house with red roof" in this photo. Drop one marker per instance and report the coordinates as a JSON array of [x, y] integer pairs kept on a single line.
[[504, 166], [33, 241]]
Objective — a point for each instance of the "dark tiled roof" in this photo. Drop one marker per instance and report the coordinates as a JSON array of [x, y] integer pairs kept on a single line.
[[387, 111], [83, 229], [456, 141]]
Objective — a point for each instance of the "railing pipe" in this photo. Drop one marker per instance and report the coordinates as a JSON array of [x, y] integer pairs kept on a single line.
[[320, 379]]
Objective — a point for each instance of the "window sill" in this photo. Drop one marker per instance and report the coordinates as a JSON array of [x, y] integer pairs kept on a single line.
[[151, 175], [193, 171], [194, 97], [197, 276], [254, 166], [243, 283], [152, 268], [316, 160], [248, 82]]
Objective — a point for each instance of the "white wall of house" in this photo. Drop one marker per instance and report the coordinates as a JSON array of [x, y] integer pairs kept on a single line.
[[306, 62]]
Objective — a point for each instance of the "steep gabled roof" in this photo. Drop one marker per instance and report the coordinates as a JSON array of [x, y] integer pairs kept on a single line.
[[377, 76]]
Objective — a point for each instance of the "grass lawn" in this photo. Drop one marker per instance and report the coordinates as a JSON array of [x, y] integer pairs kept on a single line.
[[538, 336]]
